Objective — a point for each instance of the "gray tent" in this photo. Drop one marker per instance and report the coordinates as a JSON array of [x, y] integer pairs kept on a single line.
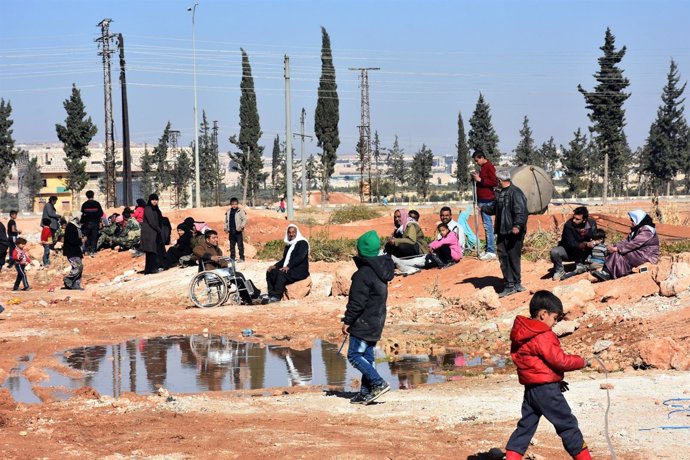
[[536, 185]]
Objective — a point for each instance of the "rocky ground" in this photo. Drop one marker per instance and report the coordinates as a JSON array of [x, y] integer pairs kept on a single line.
[[636, 325]]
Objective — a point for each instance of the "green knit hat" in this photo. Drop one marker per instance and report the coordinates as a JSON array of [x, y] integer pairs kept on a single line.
[[368, 245]]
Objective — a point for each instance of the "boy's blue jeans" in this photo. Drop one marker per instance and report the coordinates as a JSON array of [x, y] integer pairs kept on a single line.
[[46, 255], [546, 400], [361, 355], [488, 227]]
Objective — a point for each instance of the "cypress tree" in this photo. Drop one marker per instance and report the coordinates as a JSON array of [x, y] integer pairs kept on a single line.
[[33, 181], [146, 164], [421, 170], [249, 155], [326, 115], [574, 162], [666, 149], [75, 136], [162, 177], [525, 153], [208, 162], [181, 175], [482, 137], [275, 165], [462, 162], [607, 114], [8, 154], [396, 165]]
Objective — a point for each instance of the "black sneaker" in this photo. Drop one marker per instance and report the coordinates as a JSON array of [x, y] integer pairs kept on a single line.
[[520, 288], [507, 291], [601, 275], [377, 392], [359, 398]]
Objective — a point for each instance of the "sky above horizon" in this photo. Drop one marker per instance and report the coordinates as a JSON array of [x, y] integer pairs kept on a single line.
[[527, 58]]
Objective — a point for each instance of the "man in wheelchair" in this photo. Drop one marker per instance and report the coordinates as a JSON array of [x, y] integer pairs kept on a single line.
[[209, 255]]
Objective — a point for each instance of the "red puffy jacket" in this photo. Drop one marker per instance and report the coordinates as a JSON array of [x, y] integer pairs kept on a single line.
[[537, 353]]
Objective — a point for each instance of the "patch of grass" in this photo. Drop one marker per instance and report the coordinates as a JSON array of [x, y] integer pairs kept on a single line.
[[353, 214], [675, 247], [321, 249], [538, 245]]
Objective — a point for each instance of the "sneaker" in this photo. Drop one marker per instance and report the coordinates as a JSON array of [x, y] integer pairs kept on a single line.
[[558, 275], [377, 392], [520, 288], [488, 256], [359, 398], [241, 261], [273, 300], [580, 268], [601, 275], [507, 291]]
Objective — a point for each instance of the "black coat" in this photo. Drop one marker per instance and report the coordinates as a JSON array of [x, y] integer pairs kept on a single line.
[[4, 241], [151, 237], [510, 209], [71, 246], [299, 261], [184, 243], [572, 238], [366, 306]]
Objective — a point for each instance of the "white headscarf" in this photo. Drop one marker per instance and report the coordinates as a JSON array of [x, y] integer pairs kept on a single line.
[[293, 243], [637, 216]]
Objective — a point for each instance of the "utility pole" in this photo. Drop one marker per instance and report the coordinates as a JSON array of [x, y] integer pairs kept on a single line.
[[304, 164], [364, 130], [109, 160], [127, 196], [217, 170], [288, 141], [197, 177]]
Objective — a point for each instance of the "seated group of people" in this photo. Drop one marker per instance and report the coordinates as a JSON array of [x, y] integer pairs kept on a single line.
[[585, 244], [410, 250], [120, 230]]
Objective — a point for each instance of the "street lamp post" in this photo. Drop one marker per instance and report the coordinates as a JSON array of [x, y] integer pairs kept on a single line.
[[197, 177]]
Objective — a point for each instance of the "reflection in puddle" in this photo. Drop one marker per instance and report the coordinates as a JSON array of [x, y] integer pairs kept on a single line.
[[199, 363]]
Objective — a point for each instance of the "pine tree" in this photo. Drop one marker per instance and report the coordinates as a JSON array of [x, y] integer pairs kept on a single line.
[[666, 149], [147, 179], [396, 165], [327, 116], [180, 178], [275, 165], [33, 182], [208, 163], [420, 173], [75, 136], [482, 137], [462, 162], [595, 164], [248, 157], [161, 177], [607, 114], [574, 162], [525, 153], [313, 172], [547, 156], [8, 154]]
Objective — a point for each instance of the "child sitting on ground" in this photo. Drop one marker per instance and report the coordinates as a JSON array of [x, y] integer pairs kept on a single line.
[[540, 363], [21, 260], [46, 241], [595, 261], [445, 251]]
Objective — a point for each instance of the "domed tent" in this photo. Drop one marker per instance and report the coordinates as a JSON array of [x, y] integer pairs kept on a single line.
[[536, 185]]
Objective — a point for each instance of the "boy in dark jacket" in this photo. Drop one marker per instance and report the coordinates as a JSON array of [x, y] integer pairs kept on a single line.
[[541, 363], [366, 314]]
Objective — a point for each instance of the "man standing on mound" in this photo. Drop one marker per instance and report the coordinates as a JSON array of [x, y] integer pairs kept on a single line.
[[366, 314]]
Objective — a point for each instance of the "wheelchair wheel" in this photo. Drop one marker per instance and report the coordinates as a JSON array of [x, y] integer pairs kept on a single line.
[[232, 294], [208, 289]]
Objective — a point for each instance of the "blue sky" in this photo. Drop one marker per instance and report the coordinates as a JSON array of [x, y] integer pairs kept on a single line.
[[527, 58]]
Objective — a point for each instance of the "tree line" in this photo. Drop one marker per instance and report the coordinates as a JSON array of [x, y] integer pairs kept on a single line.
[[595, 162]]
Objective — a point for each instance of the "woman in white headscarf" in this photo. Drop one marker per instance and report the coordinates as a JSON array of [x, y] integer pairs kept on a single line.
[[641, 245], [294, 266]]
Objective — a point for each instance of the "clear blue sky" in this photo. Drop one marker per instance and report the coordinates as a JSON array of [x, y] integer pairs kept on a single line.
[[526, 56]]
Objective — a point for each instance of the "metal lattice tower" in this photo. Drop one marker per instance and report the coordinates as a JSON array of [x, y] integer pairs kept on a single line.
[[364, 133], [109, 157]]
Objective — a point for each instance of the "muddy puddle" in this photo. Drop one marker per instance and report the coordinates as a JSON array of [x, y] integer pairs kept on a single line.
[[200, 363]]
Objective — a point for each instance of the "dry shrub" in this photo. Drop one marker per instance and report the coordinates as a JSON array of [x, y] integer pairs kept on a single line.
[[538, 244], [353, 214]]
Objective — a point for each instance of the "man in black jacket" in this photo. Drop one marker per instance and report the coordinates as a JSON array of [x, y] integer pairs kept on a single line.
[[510, 209], [576, 243], [91, 218], [366, 314]]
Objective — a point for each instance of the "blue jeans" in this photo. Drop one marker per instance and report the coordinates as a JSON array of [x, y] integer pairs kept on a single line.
[[46, 255], [488, 227], [361, 356]]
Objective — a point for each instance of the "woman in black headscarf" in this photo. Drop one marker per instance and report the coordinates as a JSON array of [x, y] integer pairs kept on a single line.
[[151, 236], [183, 246]]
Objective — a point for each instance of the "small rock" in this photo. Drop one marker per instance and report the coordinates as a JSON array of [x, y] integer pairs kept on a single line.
[[163, 392], [43, 303], [489, 370], [606, 386], [23, 433], [565, 328], [602, 345], [489, 327], [75, 330]]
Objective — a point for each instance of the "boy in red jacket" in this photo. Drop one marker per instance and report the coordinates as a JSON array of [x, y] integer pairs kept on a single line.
[[541, 363]]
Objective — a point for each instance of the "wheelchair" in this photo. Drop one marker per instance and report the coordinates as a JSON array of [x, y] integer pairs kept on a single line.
[[212, 288]]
